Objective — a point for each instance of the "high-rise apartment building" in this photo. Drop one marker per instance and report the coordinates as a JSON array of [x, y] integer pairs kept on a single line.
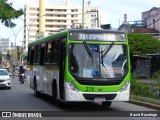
[[57, 17]]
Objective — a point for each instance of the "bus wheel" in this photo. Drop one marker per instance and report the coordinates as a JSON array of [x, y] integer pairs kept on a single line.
[[36, 93], [106, 104]]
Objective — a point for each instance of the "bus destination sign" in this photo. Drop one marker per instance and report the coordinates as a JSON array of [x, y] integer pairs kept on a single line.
[[97, 36]]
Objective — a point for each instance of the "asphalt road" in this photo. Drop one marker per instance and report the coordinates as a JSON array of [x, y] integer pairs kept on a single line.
[[21, 98]]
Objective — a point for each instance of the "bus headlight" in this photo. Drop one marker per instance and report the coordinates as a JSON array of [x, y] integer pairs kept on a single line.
[[72, 86], [125, 86]]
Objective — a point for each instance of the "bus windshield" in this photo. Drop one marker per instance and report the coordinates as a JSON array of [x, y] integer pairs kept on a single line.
[[98, 61]]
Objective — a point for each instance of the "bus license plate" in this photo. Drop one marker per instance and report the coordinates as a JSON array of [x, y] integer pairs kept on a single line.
[[99, 99]]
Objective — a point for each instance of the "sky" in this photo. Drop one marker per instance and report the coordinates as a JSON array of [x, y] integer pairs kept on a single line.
[[111, 12]]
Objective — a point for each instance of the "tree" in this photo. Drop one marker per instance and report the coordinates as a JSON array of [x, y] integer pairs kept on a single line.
[[8, 56], [142, 44], [8, 13], [18, 54]]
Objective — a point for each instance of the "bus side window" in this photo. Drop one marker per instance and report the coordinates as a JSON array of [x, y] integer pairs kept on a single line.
[[31, 57], [48, 52], [36, 54], [54, 53], [51, 52], [42, 52]]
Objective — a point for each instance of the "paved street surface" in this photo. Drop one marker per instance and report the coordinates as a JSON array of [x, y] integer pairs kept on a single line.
[[21, 98]]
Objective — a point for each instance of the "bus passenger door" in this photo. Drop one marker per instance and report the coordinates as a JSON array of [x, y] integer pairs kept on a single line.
[[31, 68], [41, 69], [62, 68]]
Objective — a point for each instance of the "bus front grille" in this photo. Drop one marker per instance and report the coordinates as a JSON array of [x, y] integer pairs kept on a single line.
[[93, 96]]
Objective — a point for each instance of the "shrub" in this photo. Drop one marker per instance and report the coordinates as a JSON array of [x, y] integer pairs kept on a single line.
[[144, 89]]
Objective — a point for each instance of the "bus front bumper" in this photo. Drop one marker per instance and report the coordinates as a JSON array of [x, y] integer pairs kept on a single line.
[[78, 96]]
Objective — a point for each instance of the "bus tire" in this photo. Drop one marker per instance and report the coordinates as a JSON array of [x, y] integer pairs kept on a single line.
[[36, 92], [106, 104]]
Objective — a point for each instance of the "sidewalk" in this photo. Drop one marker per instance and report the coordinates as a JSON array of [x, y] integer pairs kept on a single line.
[[157, 107]]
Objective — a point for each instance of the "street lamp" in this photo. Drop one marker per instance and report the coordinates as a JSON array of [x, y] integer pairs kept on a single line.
[[10, 37], [22, 53], [17, 34], [11, 45], [28, 28]]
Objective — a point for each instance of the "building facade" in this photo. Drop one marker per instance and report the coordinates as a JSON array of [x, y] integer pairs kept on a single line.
[[152, 17], [4, 47], [57, 17]]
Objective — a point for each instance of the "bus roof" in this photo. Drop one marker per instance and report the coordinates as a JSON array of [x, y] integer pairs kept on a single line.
[[53, 36], [65, 32]]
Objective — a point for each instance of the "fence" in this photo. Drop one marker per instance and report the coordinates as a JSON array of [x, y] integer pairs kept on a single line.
[[145, 66]]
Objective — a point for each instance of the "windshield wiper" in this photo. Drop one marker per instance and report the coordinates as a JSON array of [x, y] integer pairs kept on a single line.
[[87, 48], [106, 50], [103, 63]]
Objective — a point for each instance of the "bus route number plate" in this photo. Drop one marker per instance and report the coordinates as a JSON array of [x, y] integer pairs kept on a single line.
[[99, 99]]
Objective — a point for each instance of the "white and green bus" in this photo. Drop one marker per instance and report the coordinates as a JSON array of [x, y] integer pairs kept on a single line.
[[81, 65]]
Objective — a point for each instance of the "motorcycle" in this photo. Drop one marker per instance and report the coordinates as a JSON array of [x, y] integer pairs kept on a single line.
[[21, 78]]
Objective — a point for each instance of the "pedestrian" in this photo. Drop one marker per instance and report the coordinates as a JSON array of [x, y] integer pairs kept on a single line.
[[13, 71]]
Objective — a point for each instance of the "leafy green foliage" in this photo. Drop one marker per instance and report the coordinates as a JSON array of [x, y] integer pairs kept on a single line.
[[0, 57], [8, 13], [8, 56], [145, 99], [156, 76], [18, 54], [24, 57], [150, 90], [142, 44]]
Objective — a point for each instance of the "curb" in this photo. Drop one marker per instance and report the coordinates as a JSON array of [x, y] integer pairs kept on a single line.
[[150, 105]]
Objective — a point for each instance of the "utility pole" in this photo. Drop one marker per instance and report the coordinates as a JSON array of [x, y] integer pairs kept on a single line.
[[42, 10], [22, 53], [82, 14]]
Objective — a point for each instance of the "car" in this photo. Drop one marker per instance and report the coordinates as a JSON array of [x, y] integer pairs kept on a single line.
[[5, 80]]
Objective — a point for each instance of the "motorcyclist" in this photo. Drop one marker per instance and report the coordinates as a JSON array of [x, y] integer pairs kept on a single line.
[[13, 70], [21, 70]]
